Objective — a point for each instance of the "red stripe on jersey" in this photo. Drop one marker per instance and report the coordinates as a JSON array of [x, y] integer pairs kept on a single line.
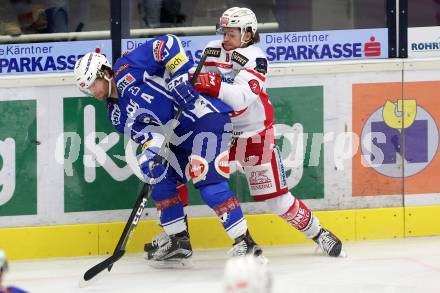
[[159, 53], [260, 76], [268, 110], [236, 113], [217, 64]]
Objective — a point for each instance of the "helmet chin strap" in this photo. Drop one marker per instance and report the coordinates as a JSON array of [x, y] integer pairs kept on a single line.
[[243, 33], [243, 43], [109, 85]]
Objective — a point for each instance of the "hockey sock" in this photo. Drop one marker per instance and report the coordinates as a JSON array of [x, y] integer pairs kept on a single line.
[[220, 198], [296, 213], [172, 216]]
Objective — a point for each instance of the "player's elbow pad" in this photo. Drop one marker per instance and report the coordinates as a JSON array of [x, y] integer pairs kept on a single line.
[[234, 97]]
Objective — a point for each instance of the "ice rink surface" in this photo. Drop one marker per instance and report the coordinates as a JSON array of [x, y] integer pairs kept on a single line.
[[401, 265]]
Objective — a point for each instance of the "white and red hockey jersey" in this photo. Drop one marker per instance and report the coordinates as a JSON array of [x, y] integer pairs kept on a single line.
[[243, 72]]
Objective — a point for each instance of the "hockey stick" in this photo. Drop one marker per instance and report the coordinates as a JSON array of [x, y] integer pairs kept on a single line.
[[141, 201]]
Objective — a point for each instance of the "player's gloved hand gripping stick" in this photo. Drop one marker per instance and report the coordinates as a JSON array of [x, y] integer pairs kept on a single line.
[[141, 201]]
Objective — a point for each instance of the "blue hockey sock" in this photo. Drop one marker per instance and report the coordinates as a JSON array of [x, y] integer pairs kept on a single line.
[[221, 199]]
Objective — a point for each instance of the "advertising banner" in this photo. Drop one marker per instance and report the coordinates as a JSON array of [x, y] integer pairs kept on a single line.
[[56, 57], [18, 158], [399, 136], [91, 186], [423, 41], [90, 139], [73, 167], [326, 45]]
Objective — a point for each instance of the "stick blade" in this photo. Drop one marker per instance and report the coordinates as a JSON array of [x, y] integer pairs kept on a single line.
[[83, 283], [105, 264]]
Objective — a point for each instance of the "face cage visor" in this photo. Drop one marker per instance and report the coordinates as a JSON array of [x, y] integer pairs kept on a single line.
[[99, 74], [219, 31]]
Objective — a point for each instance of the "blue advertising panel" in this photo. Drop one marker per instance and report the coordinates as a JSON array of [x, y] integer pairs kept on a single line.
[[54, 57], [326, 45], [279, 47]]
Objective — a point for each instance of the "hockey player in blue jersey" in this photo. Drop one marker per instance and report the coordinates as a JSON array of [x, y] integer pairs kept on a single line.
[[144, 90]]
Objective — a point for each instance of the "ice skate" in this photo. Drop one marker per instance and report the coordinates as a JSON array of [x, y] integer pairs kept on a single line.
[[329, 243], [245, 245], [159, 240], [175, 253]]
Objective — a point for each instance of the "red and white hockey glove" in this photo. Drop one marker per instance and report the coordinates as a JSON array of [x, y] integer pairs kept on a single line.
[[209, 83]]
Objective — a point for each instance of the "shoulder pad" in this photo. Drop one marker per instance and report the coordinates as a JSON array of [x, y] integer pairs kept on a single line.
[[261, 66], [213, 52], [238, 58], [120, 69]]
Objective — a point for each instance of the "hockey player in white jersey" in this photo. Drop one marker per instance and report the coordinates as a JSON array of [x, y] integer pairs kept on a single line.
[[235, 72], [242, 67]]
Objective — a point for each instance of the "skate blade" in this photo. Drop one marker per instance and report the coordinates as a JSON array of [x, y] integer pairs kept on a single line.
[[171, 263], [261, 259]]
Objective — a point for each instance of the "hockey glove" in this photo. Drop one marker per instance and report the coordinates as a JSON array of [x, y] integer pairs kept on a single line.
[[209, 83], [153, 169], [182, 91]]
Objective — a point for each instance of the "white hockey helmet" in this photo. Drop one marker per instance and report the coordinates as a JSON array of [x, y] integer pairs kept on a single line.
[[240, 17], [88, 68], [245, 274], [3, 262]]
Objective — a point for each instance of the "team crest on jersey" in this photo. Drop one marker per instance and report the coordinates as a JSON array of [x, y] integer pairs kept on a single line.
[[261, 65], [238, 58], [124, 82], [213, 52], [196, 169], [159, 52], [115, 115], [255, 86], [222, 164], [261, 180]]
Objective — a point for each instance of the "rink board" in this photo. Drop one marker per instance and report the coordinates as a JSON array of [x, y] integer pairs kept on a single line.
[[54, 191], [206, 232]]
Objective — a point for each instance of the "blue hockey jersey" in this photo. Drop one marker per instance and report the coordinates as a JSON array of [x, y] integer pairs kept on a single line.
[[13, 290], [144, 99]]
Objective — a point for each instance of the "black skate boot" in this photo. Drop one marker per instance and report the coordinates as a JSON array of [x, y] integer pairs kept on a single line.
[[173, 254], [244, 245], [328, 242], [159, 240]]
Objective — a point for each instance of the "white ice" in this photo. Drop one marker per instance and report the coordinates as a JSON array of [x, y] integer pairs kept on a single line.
[[401, 265]]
